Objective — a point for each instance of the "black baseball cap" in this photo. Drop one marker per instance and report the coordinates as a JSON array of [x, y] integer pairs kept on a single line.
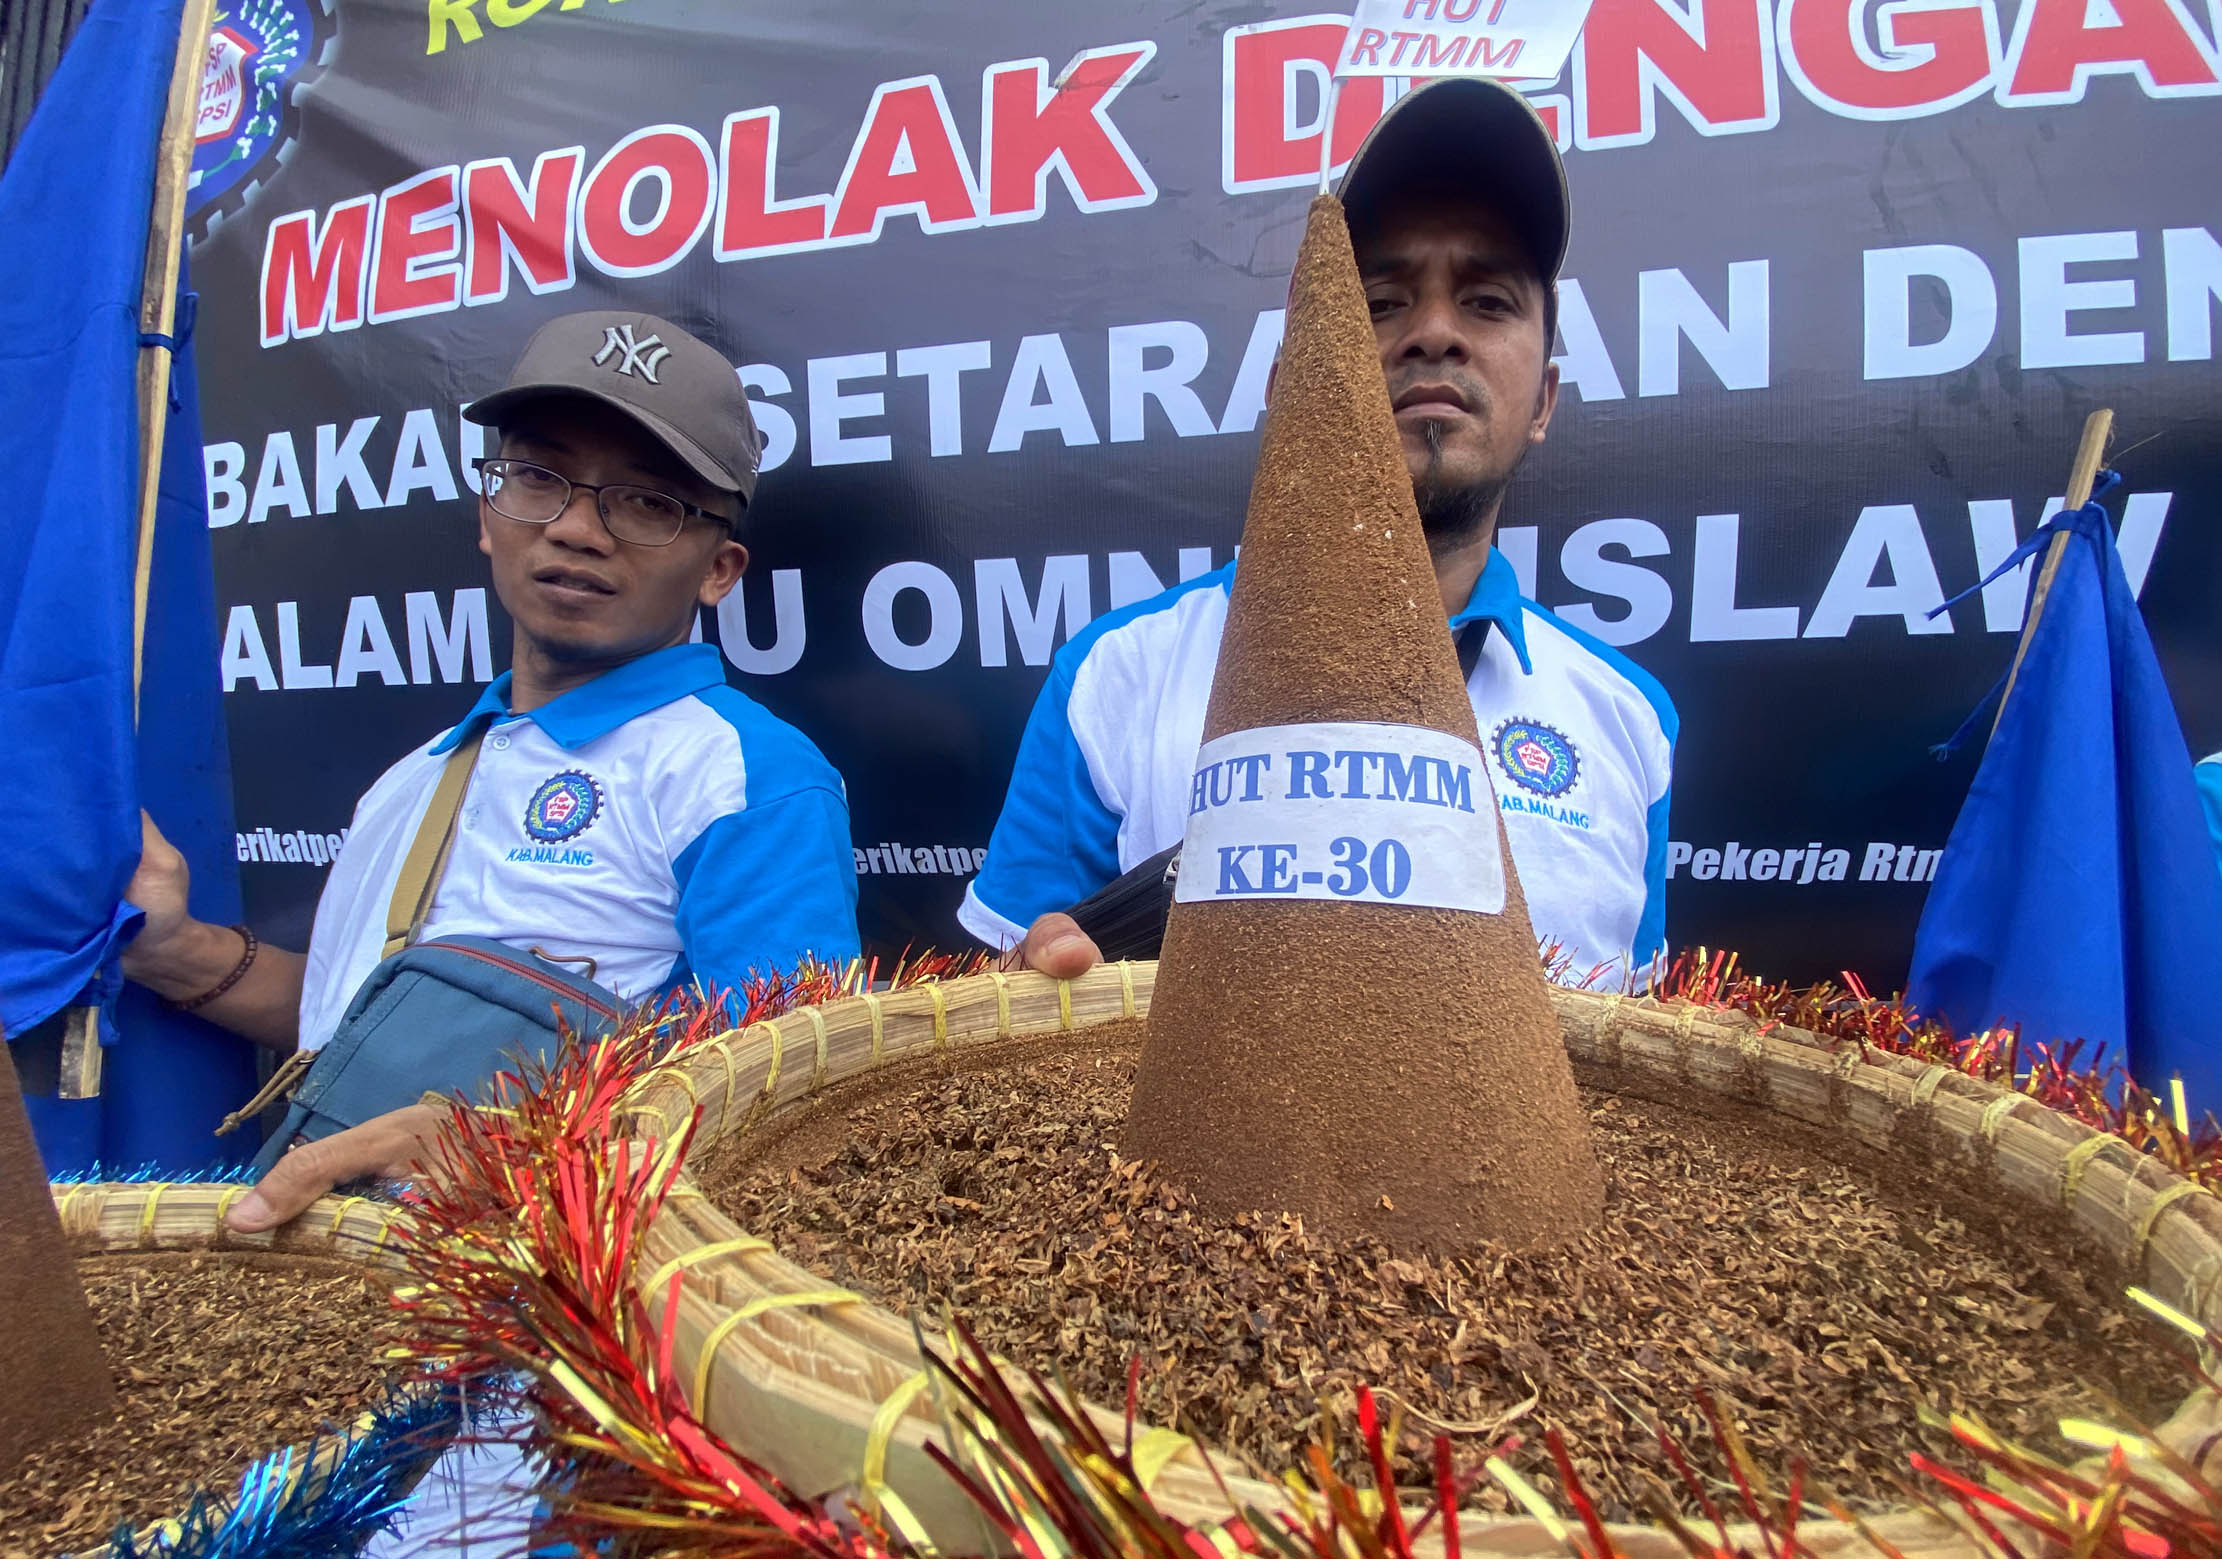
[[1466, 132], [676, 386]]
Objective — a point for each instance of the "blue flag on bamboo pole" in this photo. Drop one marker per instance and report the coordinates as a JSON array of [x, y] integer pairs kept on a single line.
[[83, 177], [2076, 896]]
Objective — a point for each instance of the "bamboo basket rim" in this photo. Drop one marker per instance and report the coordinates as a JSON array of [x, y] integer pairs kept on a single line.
[[823, 1386], [124, 1217], [120, 1216]]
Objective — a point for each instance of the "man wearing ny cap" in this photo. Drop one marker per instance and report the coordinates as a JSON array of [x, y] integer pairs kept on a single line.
[[625, 805], [1458, 212]]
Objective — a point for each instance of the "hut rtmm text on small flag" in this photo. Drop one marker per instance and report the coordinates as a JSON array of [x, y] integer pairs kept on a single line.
[[1527, 39]]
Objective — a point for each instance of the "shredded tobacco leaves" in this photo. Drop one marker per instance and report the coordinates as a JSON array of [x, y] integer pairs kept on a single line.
[[220, 1358], [1819, 1304]]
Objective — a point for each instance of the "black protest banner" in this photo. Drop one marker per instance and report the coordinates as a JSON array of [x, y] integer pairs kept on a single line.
[[1005, 281]]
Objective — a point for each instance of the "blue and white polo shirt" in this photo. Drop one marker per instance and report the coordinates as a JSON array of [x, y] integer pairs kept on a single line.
[[1580, 742], [654, 820]]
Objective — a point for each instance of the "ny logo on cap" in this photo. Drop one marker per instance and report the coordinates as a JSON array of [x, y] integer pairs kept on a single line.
[[641, 358]]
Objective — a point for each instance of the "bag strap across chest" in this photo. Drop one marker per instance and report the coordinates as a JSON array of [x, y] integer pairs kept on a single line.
[[422, 867]]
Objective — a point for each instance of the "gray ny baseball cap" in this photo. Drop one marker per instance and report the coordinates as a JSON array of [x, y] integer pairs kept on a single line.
[[1474, 133], [681, 389]]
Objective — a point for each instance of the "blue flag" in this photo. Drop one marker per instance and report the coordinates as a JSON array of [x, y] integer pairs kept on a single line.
[[79, 772], [2210, 796], [2077, 897]]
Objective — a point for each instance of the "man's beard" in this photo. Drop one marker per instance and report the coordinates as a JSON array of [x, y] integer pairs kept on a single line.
[[1453, 516]]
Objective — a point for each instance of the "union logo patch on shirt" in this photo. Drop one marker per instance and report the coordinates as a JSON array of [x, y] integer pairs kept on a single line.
[[1536, 757], [563, 807]]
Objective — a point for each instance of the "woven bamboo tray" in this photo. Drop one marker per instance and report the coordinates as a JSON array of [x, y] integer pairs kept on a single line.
[[823, 1388], [132, 1215], [120, 1216]]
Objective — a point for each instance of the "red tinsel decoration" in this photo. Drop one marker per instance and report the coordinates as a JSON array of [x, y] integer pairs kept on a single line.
[[524, 1253], [2072, 1078]]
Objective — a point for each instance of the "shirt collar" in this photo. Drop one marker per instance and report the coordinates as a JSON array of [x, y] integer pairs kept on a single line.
[[1497, 599], [596, 708]]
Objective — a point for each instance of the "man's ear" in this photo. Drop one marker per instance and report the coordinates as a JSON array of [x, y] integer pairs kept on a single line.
[[726, 566], [1546, 402], [485, 542]]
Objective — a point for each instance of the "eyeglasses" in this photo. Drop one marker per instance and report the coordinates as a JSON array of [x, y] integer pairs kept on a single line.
[[534, 495]]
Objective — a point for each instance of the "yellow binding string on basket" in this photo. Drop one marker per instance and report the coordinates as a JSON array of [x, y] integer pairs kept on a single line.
[[1925, 1086], [745, 1245], [708, 1359], [879, 1036], [890, 1412], [1994, 1115], [1002, 1002], [1153, 1448], [800, 1297], [1604, 1029], [2078, 1156], [913, 1530], [229, 1200], [748, 1312], [339, 1213], [878, 1497], [684, 1080], [941, 1014], [644, 1108], [779, 1045], [817, 1021], [1064, 1006], [722, 1048], [1685, 1024], [2153, 1210], [146, 1209], [1126, 988]]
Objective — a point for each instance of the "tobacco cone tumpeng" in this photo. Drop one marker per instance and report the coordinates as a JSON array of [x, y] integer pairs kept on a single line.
[[53, 1379], [1380, 1067]]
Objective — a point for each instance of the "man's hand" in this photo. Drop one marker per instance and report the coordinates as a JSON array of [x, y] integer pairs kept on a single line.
[[1056, 946], [176, 956], [173, 955], [159, 886], [384, 1146]]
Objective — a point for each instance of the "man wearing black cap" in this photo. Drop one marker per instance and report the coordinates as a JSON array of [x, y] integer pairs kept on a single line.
[[1458, 213], [622, 809]]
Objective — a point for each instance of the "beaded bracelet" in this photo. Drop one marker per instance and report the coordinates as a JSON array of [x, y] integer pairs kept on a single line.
[[239, 969]]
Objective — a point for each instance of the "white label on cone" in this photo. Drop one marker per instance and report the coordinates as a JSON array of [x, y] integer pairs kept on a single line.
[[1509, 39], [1377, 814]]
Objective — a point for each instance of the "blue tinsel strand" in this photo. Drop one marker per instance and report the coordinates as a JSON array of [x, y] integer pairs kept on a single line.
[[280, 1513], [98, 1173]]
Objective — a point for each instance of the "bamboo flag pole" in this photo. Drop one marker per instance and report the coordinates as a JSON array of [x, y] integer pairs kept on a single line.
[[158, 302], [2081, 477], [80, 1062]]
